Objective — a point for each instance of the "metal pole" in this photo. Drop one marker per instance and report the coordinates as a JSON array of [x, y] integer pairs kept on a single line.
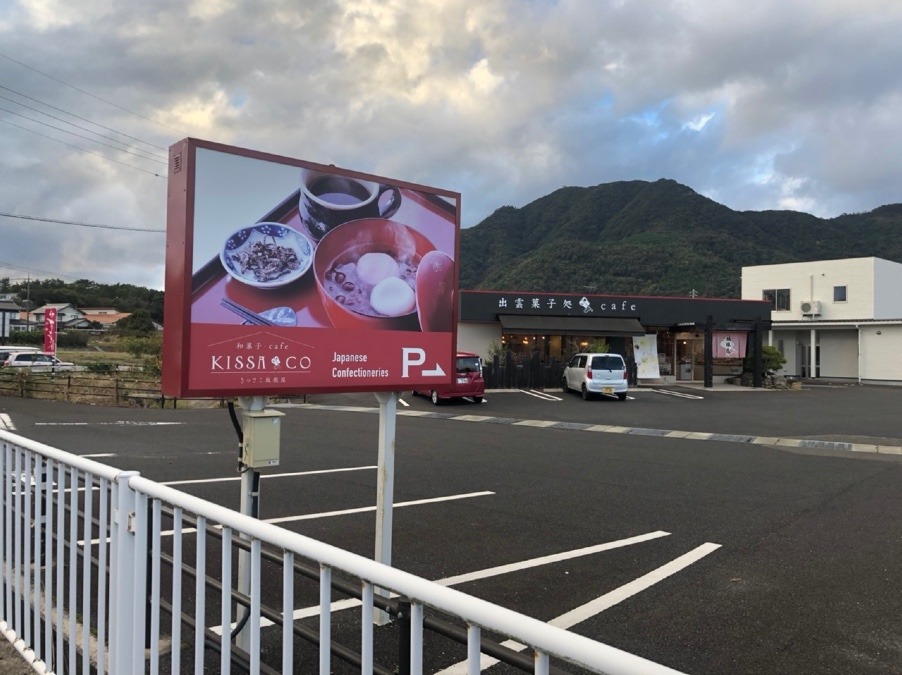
[[404, 612], [249, 479], [758, 375], [709, 351], [385, 486]]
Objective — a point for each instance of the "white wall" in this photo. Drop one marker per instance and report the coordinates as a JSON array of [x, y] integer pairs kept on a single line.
[[815, 281], [839, 353], [476, 337], [887, 289], [789, 338], [880, 360]]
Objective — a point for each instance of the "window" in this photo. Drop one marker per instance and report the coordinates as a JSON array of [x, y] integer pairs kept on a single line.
[[839, 294], [468, 364], [778, 298]]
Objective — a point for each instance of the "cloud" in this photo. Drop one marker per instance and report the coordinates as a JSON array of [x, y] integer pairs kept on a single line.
[[758, 105]]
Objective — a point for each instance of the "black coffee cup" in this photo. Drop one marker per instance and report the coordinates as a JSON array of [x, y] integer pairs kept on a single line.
[[328, 200]]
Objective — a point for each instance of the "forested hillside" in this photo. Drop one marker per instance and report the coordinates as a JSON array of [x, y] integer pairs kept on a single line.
[[658, 238]]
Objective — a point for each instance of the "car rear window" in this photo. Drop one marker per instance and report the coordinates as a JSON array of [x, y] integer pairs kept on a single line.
[[607, 362], [467, 364]]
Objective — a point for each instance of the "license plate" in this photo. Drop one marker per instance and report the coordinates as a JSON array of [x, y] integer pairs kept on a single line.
[[607, 390], [461, 380]]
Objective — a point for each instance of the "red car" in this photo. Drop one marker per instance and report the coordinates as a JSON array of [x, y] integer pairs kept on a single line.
[[468, 381]]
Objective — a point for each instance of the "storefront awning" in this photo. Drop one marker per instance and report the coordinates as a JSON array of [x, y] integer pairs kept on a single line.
[[570, 325]]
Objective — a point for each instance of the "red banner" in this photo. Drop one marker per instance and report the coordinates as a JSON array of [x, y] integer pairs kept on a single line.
[[50, 330]]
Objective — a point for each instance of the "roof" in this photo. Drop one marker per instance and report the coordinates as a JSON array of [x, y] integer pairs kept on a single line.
[[53, 305], [8, 306], [107, 319]]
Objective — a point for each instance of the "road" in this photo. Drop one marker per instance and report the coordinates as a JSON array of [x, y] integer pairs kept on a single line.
[[740, 531]]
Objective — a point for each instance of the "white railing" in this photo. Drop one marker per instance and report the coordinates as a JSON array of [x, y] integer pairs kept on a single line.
[[100, 569]]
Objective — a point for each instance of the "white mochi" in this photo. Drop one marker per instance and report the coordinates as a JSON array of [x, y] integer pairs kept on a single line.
[[393, 297], [374, 267]]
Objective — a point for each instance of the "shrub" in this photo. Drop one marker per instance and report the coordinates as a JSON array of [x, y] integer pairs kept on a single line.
[[101, 367], [152, 365], [598, 346], [151, 345], [772, 360]]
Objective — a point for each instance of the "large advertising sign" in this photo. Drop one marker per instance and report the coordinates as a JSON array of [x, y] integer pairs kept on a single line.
[[285, 277]]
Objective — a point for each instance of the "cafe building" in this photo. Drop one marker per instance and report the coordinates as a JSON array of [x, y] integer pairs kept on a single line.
[[664, 339]]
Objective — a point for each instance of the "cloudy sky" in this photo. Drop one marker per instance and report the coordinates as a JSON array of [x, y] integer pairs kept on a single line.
[[758, 105]]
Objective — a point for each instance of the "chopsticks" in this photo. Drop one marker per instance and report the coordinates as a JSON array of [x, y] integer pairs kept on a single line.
[[246, 314]]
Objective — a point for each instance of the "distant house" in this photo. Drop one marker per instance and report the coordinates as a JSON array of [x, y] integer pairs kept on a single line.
[[9, 312], [67, 316], [105, 316]]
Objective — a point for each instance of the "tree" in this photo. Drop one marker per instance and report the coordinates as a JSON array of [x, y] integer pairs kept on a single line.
[[137, 323], [772, 360]]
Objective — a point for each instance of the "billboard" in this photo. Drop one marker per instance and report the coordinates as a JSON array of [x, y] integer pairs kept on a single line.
[[285, 277]]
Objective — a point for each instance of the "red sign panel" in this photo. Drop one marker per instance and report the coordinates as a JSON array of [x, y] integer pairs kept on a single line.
[[285, 277], [50, 330]]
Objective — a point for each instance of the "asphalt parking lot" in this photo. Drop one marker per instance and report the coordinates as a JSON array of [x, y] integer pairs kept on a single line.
[[724, 531]]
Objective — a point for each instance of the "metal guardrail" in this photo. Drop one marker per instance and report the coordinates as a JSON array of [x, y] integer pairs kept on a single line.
[[100, 571]]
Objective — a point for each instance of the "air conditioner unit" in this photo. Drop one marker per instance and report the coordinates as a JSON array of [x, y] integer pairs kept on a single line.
[[811, 307]]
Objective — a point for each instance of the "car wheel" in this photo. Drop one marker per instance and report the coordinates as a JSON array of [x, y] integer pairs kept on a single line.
[[622, 396], [477, 399], [586, 394], [564, 386], [435, 399]]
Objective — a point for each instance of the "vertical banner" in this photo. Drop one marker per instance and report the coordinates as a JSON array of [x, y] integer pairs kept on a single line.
[[50, 330], [645, 351], [730, 345]]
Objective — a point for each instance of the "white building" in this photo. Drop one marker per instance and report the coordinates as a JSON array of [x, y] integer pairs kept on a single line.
[[850, 310]]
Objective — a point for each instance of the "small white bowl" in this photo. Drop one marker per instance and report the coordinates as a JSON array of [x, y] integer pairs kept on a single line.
[[266, 234]]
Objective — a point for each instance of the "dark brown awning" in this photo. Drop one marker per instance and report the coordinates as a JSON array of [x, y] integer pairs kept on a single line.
[[570, 325]]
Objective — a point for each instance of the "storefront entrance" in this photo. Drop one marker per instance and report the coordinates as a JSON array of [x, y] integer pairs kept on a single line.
[[690, 350]]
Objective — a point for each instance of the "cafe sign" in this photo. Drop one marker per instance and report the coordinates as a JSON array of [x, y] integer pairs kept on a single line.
[[284, 277]]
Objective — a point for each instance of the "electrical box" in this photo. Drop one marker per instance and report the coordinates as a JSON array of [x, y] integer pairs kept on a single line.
[[262, 430]]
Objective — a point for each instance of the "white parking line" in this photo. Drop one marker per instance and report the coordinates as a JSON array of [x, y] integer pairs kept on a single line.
[[6, 422], [678, 394], [600, 604], [347, 512], [120, 423], [338, 605], [545, 396], [269, 476]]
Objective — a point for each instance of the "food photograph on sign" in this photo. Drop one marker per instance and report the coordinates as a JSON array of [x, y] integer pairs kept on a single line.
[[308, 277]]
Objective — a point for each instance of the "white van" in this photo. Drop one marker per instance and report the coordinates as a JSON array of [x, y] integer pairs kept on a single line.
[[592, 374]]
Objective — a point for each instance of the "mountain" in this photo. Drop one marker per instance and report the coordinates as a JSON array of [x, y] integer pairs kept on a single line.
[[655, 238]]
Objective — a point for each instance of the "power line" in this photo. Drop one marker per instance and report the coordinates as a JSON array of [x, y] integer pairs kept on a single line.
[[83, 119], [21, 268], [90, 152], [74, 222], [87, 138], [94, 96]]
